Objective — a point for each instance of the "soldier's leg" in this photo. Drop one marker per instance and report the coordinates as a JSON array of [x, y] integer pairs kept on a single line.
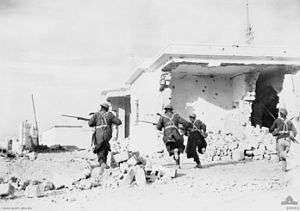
[[197, 160], [283, 148], [177, 157], [286, 148], [102, 157], [169, 148], [196, 156], [277, 150]]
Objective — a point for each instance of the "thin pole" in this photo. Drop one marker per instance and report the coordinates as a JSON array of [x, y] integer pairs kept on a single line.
[[35, 119], [249, 32]]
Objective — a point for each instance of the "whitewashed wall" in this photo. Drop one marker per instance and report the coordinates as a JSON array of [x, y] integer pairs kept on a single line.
[[145, 93], [80, 137]]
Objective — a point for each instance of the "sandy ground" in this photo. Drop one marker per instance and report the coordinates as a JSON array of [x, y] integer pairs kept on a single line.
[[251, 185]]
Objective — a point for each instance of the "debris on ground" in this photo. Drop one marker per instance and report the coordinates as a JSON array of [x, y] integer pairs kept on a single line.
[[253, 142], [33, 191], [79, 169], [6, 190], [32, 155]]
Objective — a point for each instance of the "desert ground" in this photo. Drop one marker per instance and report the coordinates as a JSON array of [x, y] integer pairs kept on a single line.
[[244, 185]]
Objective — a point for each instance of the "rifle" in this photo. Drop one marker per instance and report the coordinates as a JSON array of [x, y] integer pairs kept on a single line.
[[148, 122], [76, 117]]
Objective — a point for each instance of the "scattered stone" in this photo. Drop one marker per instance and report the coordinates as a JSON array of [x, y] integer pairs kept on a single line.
[[24, 184], [34, 182], [33, 191], [128, 177], [132, 161], [170, 172], [140, 176], [95, 182], [124, 167], [238, 155], [14, 179], [6, 190], [84, 184], [48, 186], [97, 172], [32, 156], [121, 157], [87, 173]]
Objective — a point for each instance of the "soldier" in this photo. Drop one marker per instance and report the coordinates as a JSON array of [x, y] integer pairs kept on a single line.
[[285, 132], [196, 139], [172, 138], [102, 121]]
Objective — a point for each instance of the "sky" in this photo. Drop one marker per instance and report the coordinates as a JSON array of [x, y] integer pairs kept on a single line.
[[66, 52]]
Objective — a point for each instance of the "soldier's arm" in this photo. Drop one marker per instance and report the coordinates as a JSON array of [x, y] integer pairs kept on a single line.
[[115, 120], [160, 124], [273, 128], [92, 122], [293, 129], [202, 126]]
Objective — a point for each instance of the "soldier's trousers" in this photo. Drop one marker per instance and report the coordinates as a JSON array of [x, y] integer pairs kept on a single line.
[[102, 156], [283, 147], [102, 146]]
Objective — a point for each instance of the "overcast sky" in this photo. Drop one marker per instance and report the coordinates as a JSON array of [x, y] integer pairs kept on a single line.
[[66, 52]]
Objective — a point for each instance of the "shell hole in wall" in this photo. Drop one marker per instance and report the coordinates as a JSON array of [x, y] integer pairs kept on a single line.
[[264, 107]]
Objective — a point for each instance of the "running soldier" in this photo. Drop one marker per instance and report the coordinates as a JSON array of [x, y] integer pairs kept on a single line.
[[102, 121], [196, 139], [172, 138], [285, 132]]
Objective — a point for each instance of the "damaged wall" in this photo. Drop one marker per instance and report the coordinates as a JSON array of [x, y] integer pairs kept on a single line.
[[212, 98], [223, 102], [207, 96], [289, 97]]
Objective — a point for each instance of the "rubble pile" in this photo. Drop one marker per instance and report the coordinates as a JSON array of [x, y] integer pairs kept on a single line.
[[253, 142], [126, 168], [28, 188]]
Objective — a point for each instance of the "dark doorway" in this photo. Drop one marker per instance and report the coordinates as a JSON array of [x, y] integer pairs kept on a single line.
[[264, 107]]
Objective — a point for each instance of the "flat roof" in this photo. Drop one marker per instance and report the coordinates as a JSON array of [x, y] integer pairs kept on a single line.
[[214, 55]]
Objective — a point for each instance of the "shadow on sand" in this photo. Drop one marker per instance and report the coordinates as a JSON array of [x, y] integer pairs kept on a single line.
[[210, 164], [57, 149]]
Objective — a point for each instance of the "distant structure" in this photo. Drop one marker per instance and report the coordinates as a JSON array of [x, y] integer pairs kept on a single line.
[[249, 30]]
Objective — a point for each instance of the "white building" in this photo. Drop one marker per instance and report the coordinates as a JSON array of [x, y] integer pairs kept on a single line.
[[67, 135], [215, 82]]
